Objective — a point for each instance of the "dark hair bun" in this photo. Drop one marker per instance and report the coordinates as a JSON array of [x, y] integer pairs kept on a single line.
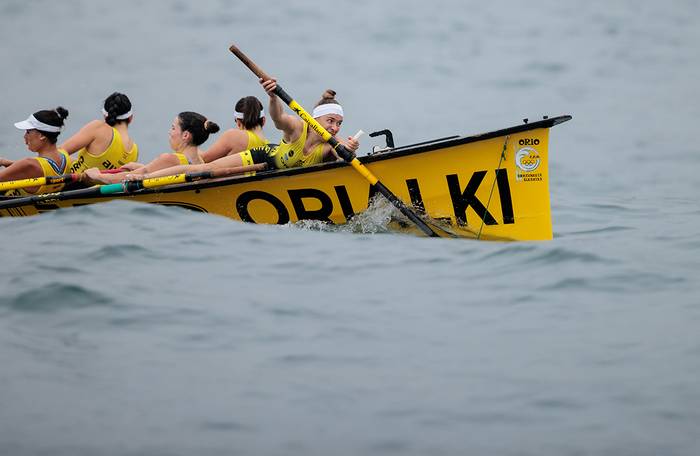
[[116, 104], [210, 127], [62, 112], [329, 94], [197, 125]]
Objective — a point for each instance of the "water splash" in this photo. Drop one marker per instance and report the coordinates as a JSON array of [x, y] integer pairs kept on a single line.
[[382, 217], [374, 220]]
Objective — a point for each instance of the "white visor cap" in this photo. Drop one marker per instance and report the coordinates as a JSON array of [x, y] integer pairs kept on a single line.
[[33, 124]]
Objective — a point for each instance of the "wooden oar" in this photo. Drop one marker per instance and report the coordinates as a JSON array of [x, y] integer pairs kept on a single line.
[[342, 151], [39, 181], [127, 186]]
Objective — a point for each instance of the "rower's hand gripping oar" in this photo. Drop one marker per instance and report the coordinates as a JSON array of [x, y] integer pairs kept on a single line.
[[340, 149]]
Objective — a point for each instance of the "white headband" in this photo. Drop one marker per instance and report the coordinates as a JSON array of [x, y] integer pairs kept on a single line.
[[33, 124], [124, 116], [329, 108], [240, 115]]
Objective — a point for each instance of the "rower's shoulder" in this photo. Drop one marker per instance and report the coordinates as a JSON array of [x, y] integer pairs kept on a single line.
[[235, 133], [97, 124], [234, 138]]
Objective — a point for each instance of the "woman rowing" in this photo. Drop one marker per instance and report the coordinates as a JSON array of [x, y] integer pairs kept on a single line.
[[188, 131], [299, 147], [105, 143], [248, 134], [41, 131]]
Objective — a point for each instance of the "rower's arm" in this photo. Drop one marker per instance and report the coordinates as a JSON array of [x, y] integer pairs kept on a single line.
[[231, 142], [166, 160], [82, 138], [132, 166], [22, 169], [290, 125]]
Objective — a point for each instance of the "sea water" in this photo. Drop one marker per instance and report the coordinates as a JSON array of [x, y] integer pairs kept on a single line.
[[143, 330]]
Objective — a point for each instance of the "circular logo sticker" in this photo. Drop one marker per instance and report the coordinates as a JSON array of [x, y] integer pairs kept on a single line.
[[527, 159]]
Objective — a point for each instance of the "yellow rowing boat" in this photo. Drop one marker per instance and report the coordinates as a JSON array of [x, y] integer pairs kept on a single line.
[[489, 186]]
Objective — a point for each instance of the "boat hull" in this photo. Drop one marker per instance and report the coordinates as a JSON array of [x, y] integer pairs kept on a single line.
[[490, 186]]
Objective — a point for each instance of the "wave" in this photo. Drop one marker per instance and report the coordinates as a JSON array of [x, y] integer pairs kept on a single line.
[[560, 255], [628, 282], [53, 297]]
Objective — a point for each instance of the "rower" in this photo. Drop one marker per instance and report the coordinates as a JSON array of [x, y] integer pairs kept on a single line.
[[41, 131], [105, 143], [249, 118]]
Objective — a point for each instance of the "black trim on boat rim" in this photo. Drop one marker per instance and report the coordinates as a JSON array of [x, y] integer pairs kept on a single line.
[[401, 151]]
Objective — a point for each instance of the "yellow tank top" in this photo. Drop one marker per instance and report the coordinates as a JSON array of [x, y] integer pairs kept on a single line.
[[254, 140], [184, 161], [112, 158], [292, 155], [49, 168]]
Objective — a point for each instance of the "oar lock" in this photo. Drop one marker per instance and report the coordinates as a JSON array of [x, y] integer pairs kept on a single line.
[[389, 141]]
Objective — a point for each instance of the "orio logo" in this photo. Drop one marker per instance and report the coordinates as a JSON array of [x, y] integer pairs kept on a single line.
[[529, 142], [527, 159]]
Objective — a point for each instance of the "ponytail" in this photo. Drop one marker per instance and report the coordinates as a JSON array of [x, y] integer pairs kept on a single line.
[[199, 127], [249, 110]]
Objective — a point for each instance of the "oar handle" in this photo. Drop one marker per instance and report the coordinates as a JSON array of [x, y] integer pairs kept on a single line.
[[249, 63]]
